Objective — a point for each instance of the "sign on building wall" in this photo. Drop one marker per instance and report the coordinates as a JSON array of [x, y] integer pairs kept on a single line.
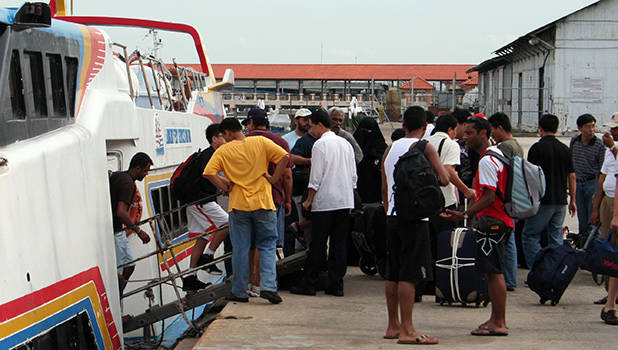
[[586, 89]]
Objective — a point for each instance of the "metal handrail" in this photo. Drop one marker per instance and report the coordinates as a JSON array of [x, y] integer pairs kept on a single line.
[[126, 62]]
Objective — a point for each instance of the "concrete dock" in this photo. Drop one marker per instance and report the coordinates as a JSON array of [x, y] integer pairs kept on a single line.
[[358, 321]]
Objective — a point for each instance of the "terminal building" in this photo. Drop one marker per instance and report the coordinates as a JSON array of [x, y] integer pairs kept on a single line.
[[566, 68], [286, 87]]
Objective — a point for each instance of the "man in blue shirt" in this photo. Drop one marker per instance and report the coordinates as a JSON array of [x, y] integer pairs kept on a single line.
[[301, 120]]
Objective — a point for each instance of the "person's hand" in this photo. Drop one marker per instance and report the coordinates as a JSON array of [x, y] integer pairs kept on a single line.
[[608, 140], [307, 204], [143, 236], [227, 185], [594, 217], [572, 208], [268, 177], [452, 215], [288, 208], [469, 193], [614, 224]]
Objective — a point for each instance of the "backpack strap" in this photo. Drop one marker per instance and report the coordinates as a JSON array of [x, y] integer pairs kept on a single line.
[[440, 146], [505, 160], [500, 157], [419, 143]]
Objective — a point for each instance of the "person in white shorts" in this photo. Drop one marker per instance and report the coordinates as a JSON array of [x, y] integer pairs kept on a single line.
[[205, 217]]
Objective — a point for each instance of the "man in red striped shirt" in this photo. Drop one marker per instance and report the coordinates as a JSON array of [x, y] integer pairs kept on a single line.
[[491, 223]]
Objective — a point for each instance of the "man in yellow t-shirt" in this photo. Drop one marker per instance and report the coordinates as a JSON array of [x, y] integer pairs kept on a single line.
[[244, 161]]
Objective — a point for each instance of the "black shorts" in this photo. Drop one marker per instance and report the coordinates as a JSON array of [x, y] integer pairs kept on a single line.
[[491, 237], [408, 251]]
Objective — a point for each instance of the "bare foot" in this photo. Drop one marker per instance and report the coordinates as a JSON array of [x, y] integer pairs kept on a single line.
[[392, 333], [417, 338]]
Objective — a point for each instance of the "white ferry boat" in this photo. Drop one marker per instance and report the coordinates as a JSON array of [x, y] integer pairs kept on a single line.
[[74, 107]]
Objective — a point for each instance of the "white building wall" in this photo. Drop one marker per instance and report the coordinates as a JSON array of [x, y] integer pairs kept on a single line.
[[587, 52], [585, 58]]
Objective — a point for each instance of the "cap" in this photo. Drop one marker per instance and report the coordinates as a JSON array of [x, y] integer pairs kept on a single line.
[[613, 121], [481, 115], [256, 114], [302, 113]]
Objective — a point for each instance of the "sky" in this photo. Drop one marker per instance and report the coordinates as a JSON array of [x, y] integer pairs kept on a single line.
[[333, 31]]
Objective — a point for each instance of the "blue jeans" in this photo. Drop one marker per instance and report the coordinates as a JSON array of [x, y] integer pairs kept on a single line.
[[510, 263], [264, 224], [583, 200], [550, 217], [280, 225]]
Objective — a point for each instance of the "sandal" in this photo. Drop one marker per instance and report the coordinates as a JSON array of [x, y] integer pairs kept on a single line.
[[484, 330], [420, 340]]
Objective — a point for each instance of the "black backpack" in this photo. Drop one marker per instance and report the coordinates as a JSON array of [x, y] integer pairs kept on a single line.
[[187, 184], [417, 189]]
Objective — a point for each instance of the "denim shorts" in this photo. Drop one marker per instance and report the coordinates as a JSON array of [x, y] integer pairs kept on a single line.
[[123, 250]]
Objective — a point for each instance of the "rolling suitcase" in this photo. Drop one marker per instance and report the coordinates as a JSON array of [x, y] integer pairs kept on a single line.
[[456, 277], [553, 269]]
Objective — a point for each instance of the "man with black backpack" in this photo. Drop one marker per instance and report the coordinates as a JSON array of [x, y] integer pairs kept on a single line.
[[491, 223], [407, 238], [205, 216]]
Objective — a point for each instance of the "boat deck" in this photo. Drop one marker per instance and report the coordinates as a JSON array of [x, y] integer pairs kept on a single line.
[[358, 321]]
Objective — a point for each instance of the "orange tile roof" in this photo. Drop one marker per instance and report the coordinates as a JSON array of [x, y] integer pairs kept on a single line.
[[344, 71], [419, 84], [472, 81]]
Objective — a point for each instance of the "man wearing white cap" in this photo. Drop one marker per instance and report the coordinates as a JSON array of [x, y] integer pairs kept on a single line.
[[301, 120], [603, 208]]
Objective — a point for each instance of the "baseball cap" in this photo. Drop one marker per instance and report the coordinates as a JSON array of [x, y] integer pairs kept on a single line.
[[302, 113], [613, 121], [479, 115], [255, 114]]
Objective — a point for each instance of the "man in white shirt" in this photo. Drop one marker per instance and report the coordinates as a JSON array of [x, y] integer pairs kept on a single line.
[[449, 153], [331, 196], [603, 208], [407, 243]]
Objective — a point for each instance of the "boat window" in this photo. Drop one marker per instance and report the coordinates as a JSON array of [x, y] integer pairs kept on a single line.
[[75, 333], [57, 85], [163, 203], [17, 88], [38, 83], [71, 78]]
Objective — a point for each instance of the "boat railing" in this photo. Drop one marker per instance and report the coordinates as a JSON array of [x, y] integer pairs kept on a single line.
[[165, 245], [179, 84]]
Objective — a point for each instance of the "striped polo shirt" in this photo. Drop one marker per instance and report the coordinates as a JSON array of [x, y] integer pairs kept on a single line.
[[587, 159]]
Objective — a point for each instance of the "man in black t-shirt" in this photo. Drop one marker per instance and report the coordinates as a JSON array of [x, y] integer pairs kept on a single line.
[[554, 158], [122, 190]]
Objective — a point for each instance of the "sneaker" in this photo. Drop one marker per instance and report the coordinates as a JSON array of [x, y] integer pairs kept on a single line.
[[298, 289], [273, 297], [212, 269], [232, 297], [334, 291], [253, 291], [609, 317], [191, 283]]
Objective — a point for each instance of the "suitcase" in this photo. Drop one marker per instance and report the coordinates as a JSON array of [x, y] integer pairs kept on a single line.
[[457, 279], [553, 269]]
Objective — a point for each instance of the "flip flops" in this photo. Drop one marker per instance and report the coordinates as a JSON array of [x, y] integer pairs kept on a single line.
[[484, 330], [421, 340]]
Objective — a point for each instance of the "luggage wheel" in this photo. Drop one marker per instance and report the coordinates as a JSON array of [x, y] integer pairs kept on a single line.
[[554, 303], [366, 268], [542, 301]]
